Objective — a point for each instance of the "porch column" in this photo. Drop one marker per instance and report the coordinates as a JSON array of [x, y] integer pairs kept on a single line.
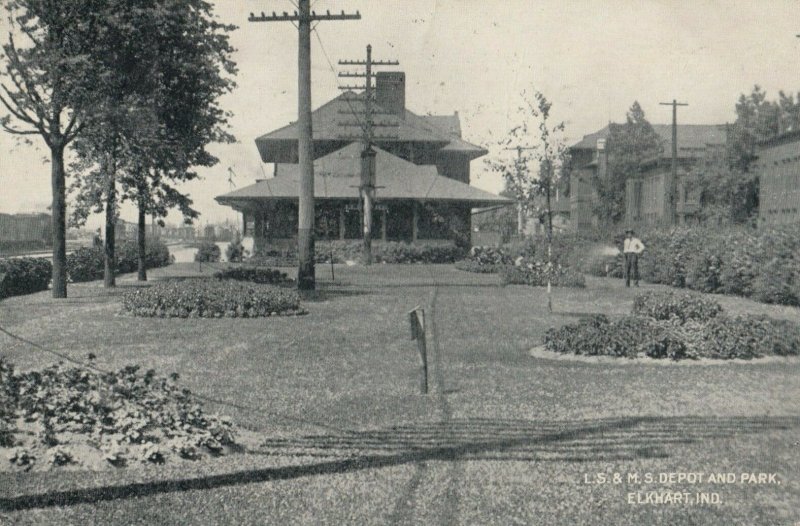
[[383, 224], [414, 221], [244, 223], [342, 221]]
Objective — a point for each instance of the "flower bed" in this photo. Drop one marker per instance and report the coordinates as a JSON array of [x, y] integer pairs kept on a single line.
[[535, 273], [24, 276], [60, 416], [677, 326], [201, 298]]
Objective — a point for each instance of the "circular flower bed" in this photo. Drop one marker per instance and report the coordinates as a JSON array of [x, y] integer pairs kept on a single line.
[[211, 299]]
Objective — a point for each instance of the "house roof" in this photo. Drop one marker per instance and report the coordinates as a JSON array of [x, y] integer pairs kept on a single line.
[[329, 133], [692, 138], [337, 176]]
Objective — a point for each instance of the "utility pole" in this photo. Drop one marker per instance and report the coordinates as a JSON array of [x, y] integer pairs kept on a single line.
[[368, 176], [520, 206], [305, 146], [672, 203]]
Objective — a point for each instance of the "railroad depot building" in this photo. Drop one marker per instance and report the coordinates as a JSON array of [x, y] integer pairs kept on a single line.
[[422, 176], [646, 195], [778, 168]]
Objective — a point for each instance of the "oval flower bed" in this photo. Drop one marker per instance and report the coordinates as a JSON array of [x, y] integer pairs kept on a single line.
[[211, 299], [676, 326]]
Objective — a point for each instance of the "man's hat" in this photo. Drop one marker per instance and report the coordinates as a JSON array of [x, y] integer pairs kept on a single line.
[[629, 230]]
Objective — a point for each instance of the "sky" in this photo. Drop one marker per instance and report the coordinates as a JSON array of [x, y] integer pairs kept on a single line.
[[591, 58]]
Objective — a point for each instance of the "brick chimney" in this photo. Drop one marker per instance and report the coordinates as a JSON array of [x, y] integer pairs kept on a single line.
[[390, 92]]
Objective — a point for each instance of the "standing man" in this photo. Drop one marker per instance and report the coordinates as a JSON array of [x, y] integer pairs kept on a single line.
[[631, 249]]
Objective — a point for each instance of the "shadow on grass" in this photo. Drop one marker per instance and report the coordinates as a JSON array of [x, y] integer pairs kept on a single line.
[[466, 439]]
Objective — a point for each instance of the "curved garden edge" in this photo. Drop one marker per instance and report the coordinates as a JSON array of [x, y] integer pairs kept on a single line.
[[540, 352]]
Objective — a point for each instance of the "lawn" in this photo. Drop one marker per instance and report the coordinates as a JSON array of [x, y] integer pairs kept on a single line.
[[503, 438]]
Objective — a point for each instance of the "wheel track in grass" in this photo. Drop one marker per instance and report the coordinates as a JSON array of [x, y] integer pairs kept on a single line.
[[422, 481]]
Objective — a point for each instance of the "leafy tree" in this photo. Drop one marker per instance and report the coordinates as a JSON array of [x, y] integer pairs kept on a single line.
[[532, 176], [160, 111], [629, 145], [47, 87]]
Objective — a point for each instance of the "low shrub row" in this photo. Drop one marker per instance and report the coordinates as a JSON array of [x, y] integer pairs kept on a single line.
[[535, 273], [88, 263], [382, 252], [254, 275], [24, 276], [677, 326], [202, 298], [58, 415]]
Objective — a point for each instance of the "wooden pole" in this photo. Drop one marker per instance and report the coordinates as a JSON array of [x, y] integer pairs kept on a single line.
[[672, 187], [305, 149]]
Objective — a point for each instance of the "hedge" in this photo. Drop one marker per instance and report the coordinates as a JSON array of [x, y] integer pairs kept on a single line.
[[24, 276], [88, 263], [680, 305], [382, 252], [203, 298]]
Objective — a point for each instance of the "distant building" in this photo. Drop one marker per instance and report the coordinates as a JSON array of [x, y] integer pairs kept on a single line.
[[422, 171], [778, 168], [646, 195]]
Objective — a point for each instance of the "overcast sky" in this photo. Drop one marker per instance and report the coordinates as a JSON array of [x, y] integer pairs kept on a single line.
[[591, 58]]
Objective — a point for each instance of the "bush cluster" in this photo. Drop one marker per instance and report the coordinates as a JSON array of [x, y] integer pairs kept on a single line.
[[681, 305], [24, 276], [88, 263], [535, 273], [208, 252], [127, 415], [677, 326], [761, 264], [485, 260], [203, 298], [235, 252], [255, 275], [382, 252]]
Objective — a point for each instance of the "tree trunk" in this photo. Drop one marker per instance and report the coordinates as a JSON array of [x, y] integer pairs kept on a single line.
[[59, 211], [549, 179], [109, 278], [142, 242]]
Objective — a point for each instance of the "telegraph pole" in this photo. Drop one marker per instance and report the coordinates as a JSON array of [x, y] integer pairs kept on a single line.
[[520, 207], [673, 178], [367, 137], [305, 221]]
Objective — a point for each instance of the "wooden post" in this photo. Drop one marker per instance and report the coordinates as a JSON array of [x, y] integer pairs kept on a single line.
[[342, 228], [416, 317], [383, 224]]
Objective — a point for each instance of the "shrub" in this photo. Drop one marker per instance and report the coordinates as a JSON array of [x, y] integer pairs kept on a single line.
[[235, 251], [24, 276], [208, 252], [88, 263], [683, 306], [748, 337], [485, 260], [254, 275], [382, 252], [211, 299], [597, 336], [469, 265], [603, 266], [535, 273]]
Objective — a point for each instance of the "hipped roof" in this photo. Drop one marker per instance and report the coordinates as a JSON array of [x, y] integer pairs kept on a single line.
[[337, 176], [329, 133], [692, 138]]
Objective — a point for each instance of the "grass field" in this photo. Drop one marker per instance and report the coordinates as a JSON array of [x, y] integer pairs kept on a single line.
[[503, 438]]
